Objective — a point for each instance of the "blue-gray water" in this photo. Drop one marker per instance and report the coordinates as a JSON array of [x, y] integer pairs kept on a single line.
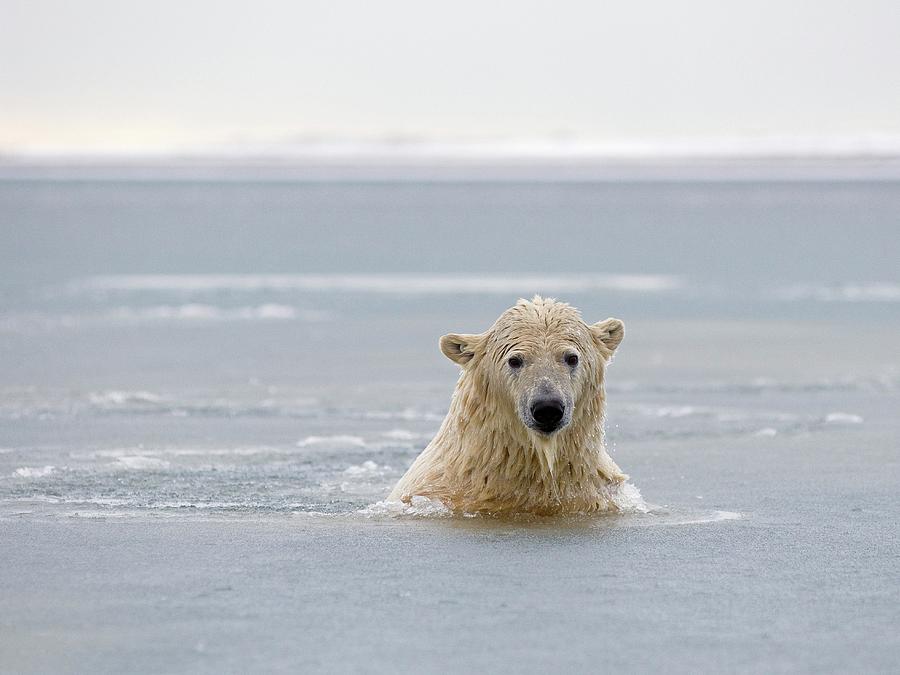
[[206, 385]]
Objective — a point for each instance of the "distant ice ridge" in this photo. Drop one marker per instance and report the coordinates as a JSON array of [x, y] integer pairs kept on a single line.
[[202, 312], [338, 440], [366, 479], [140, 463], [406, 435], [146, 402], [131, 454], [399, 284], [187, 313], [34, 472], [407, 414], [888, 380], [847, 292], [366, 468], [122, 398], [343, 441], [843, 418]]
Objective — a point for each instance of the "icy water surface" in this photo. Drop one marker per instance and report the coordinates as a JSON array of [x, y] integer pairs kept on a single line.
[[208, 390]]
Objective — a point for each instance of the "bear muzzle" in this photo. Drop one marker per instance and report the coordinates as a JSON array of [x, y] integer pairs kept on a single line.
[[548, 414]]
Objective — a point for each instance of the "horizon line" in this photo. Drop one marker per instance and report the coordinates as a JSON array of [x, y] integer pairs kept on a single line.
[[415, 150]]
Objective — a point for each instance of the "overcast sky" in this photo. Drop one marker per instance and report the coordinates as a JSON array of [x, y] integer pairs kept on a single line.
[[115, 75]]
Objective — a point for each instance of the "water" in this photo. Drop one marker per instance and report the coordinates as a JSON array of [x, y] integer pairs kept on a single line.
[[208, 387]]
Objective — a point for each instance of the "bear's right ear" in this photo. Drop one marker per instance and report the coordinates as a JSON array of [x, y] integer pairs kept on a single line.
[[459, 348]]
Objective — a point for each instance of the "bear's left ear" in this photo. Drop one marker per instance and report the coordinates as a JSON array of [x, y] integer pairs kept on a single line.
[[459, 348], [609, 333]]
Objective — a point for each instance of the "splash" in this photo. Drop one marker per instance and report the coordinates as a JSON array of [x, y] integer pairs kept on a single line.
[[419, 507], [627, 499]]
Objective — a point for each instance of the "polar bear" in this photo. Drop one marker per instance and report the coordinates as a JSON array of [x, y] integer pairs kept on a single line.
[[524, 433]]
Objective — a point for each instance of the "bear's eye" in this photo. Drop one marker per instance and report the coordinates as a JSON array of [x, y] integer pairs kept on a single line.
[[572, 360], [515, 362]]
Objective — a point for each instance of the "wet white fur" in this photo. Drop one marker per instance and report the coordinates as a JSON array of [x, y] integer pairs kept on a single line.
[[484, 459]]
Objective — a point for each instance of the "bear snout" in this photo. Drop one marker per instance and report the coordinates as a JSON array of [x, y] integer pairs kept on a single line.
[[548, 414]]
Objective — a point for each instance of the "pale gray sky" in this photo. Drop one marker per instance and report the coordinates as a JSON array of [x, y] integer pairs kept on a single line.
[[106, 75]]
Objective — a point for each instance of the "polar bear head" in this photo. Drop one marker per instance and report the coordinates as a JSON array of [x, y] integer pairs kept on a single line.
[[539, 362]]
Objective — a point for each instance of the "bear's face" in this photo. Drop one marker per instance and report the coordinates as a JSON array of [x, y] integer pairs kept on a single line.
[[541, 359]]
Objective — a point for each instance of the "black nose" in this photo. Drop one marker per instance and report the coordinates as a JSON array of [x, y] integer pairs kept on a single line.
[[548, 413]]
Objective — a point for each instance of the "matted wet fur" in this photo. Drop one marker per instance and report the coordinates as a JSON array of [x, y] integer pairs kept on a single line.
[[490, 454]]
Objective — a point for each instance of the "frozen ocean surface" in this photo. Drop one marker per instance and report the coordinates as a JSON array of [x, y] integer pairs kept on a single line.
[[208, 389]]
